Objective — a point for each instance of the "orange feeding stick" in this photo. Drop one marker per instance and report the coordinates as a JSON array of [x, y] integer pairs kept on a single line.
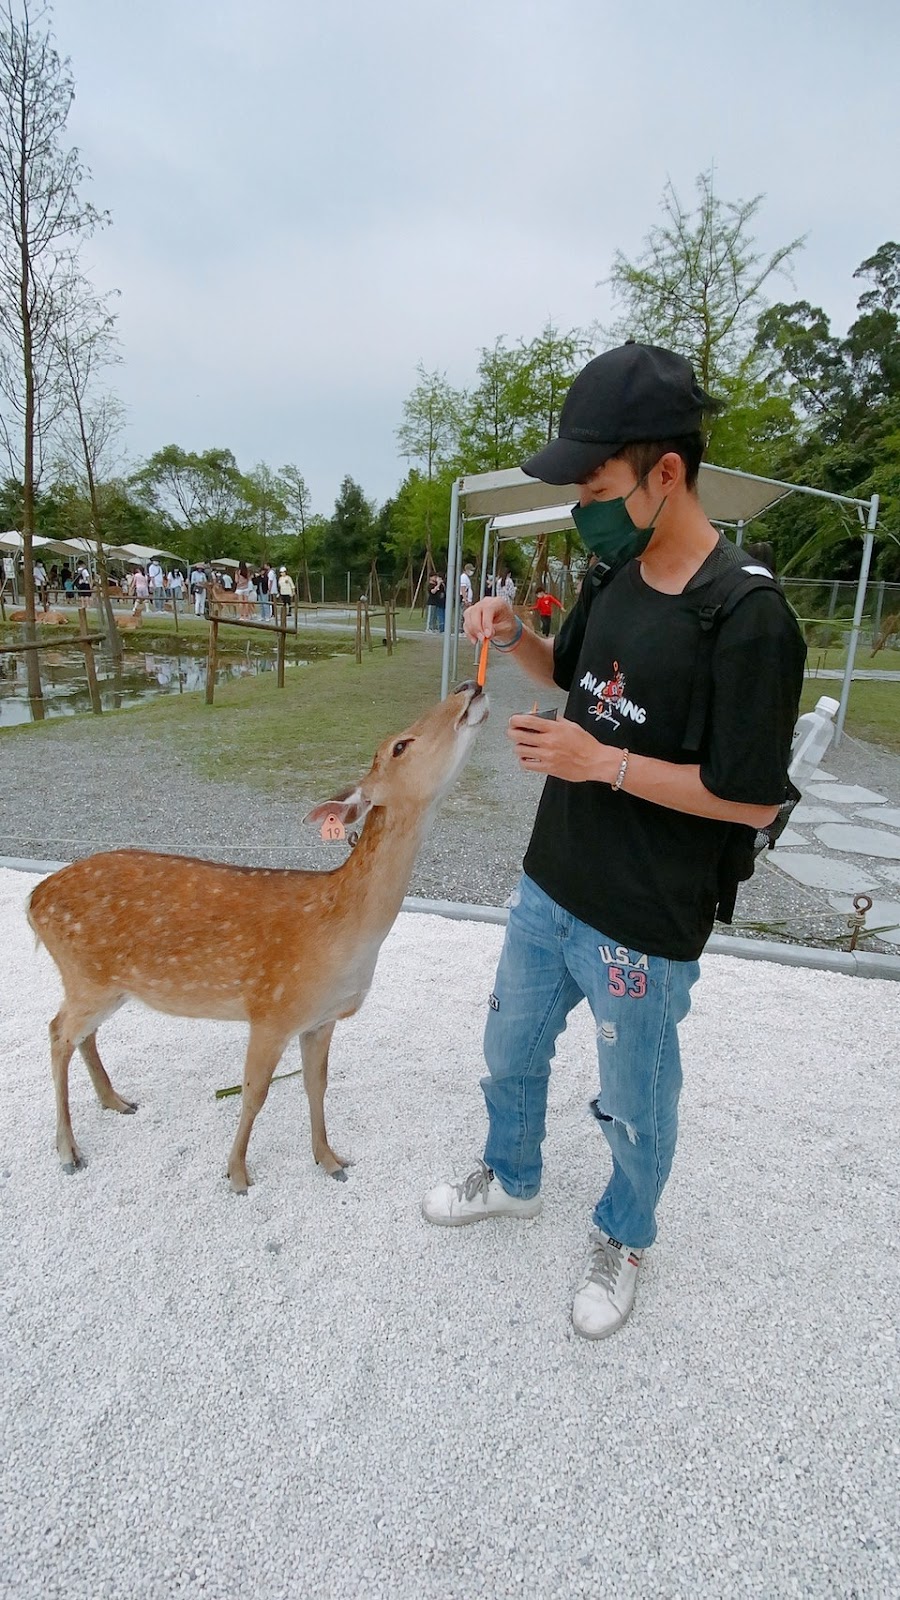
[[481, 674]]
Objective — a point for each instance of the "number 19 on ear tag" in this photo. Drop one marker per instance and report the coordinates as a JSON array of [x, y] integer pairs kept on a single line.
[[332, 829]]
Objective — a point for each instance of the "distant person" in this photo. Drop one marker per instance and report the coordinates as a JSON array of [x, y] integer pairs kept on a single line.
[[68, 581], [176, 586], [437, 600], [140, 589], [762, 552], [465, 584], [543, 605], [198, 589], [286, 589], [242, 589], [507, 589], [41, 584], [262, 589], [155, 579], [82, 582], [272, 589]]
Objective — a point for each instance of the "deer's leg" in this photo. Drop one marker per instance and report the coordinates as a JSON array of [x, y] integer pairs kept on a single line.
[[106, 1094], [314, 1050], [73, 1024], [264, 1051]]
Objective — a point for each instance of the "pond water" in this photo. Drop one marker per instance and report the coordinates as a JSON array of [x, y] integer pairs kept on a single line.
[[145, 674]]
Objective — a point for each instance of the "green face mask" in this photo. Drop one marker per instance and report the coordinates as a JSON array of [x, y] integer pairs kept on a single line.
[[608, 531]]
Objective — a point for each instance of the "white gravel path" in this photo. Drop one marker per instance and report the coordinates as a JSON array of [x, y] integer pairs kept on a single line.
[[311, 1392]]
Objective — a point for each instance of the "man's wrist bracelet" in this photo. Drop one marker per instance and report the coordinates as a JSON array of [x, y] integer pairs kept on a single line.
[[513, 641], [620, 775]]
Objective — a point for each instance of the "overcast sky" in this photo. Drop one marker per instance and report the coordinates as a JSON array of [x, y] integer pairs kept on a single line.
[[308, 198]]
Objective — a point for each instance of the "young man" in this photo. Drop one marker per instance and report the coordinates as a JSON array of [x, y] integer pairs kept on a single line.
[[628, 857]]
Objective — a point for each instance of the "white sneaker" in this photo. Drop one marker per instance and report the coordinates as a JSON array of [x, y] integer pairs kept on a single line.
[[604, 1299], [475, 1198]]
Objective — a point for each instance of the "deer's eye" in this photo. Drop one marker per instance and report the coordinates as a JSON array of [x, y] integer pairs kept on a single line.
[[400, 746]]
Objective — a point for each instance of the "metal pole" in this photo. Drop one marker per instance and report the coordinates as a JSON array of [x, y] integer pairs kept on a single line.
[[451, 607], [494, 566], [868, 543], [739, 536], [484, 557]]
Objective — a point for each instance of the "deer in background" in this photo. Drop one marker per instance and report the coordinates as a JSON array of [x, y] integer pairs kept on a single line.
[[889, 627], [290, 952]]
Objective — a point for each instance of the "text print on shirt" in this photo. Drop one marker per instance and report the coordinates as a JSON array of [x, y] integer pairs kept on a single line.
[[612, 702]]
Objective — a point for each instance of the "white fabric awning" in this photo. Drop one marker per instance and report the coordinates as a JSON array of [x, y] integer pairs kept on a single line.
[[726, 495]]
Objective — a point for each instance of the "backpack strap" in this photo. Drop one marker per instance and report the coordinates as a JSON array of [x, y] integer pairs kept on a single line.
[[719, 600]]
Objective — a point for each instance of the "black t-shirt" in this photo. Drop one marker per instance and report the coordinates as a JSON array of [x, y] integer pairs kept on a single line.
[[643, 874]]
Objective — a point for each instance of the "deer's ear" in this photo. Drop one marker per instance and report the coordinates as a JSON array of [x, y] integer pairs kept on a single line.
[[349, 807]]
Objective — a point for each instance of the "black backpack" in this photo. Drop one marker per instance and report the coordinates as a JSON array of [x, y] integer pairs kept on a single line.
[[716, 601]]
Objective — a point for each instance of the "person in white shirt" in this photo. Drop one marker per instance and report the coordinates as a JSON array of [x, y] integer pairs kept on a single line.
[[198, 585], [41, 584], [155, 578]]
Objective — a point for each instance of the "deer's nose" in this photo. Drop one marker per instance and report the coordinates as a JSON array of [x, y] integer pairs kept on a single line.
[[469, 687]]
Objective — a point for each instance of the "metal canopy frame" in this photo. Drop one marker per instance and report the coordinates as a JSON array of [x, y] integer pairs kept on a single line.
[[729, 497]]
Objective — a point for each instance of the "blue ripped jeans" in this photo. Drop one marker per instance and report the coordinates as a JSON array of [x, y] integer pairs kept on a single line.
[[550, 961]]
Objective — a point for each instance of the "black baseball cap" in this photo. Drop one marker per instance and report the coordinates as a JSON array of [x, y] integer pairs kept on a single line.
[[634, 392]]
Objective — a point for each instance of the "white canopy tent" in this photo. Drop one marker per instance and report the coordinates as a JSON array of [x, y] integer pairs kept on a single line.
[[731, 498]]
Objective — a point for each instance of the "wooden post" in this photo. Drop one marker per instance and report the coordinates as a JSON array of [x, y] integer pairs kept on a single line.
[[388, 630], [359, 633], [394, 622], [88, 649], [282, 635], [367, 624], [175, 609], [212, 659]]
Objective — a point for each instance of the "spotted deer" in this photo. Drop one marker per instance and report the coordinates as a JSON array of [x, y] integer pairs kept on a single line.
[[289, 952]]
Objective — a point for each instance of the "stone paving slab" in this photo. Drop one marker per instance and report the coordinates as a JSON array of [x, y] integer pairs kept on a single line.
[[853, 839], [819, 872], [886, 816], [848, 794], [815, 813]]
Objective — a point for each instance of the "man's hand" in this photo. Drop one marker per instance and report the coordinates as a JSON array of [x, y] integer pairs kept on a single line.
[[491, 618], [562, 749]]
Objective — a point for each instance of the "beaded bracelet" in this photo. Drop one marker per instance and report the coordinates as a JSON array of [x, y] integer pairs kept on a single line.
[[620, 775], [513, 641]]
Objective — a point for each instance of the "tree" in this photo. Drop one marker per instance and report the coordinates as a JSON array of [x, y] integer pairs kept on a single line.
[[298, 504], [202, 493], [846, 393], [84, 340], [552, 360], [42, 223], [427, 435], [498, 413], [263, 492], [352, 533], [698, 286]]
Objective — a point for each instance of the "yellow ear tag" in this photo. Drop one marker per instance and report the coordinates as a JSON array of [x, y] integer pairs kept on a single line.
[[332, 829]]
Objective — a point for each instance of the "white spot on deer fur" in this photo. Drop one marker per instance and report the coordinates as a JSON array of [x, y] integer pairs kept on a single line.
[[278, 991]]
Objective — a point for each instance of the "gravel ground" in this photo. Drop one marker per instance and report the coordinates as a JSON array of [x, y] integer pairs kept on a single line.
[[310, 1391], [473, 853]]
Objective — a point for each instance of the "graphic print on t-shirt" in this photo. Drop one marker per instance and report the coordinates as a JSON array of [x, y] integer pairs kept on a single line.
[[612, 703]]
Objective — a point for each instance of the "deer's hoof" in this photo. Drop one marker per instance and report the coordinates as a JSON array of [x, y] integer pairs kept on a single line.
[[340, 1175], [76, 1165]]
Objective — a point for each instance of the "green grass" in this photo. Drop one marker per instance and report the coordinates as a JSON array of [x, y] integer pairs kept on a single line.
[[873, 712], [326, 721]]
